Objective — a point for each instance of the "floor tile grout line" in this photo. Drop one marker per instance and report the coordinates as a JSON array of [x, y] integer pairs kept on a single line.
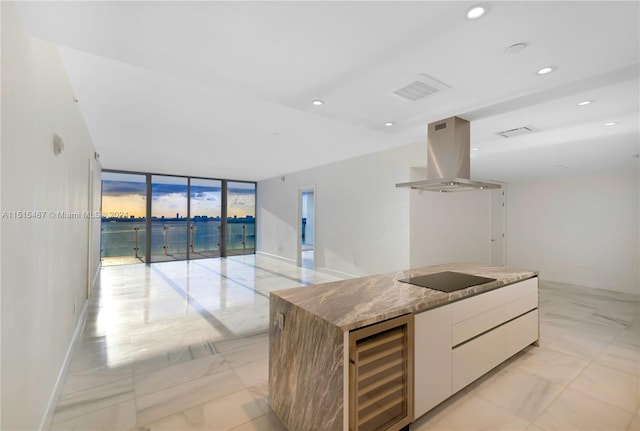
[[565, 387], [91, 411], [592, 397], [226, 277], [171, 271], [568, 384], [219, 370], [215, 323], [297, 280], [199, 405]]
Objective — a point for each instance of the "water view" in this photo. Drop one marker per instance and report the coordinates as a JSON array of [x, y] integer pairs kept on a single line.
[[174, 234], [169, 238]]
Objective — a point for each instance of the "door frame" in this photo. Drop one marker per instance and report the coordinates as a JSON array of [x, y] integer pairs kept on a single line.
[[301, 190], [503, 215], [94, 243]]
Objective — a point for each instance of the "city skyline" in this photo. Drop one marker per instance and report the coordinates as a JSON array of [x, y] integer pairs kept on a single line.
[[123, 199]]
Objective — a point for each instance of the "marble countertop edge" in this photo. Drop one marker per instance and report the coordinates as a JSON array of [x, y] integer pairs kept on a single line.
[[358, 302]]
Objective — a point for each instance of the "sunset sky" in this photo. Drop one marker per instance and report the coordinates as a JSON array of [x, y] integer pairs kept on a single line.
[[126, 194]]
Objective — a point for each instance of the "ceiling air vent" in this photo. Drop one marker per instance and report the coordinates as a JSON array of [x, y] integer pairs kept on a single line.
[[518, 132], [420, 87]]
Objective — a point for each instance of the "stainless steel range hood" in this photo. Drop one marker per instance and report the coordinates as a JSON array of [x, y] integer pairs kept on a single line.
[[448, 159]]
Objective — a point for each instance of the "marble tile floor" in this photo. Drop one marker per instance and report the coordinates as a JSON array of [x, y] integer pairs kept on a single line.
[[177, 345], [307, 258], [584, 376], [183, 346]]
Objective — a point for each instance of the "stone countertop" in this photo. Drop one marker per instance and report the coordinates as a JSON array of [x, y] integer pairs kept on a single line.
[[357, 302]]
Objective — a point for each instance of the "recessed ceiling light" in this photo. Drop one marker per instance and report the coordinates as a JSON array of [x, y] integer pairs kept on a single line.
[[515, 48], [546, 70], [478, 11], [318, 102], [389, 123], [585, 102], [612, 123], [476, 149]]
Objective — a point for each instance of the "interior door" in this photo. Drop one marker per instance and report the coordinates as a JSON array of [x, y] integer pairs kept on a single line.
[[498, 206], [306, 227]]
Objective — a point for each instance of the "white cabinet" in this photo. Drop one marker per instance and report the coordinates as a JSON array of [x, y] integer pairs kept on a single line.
[[459, 342], [491, 327], [474, 358], [432, 350], [483, 312], [479, 355], [521, 332]]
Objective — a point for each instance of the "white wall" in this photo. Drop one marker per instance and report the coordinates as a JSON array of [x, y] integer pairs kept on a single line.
[[362, 219], [365, 225], [582, 230], [44, 261], [449, 227]]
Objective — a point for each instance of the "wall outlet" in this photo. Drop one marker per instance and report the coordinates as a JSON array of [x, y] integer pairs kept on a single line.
[[74, 308]]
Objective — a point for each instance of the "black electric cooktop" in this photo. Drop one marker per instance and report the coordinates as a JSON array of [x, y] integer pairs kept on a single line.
[[447, 281]]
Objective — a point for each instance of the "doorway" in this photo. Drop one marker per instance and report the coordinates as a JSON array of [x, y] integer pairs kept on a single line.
[[498, 255], [306, 228]]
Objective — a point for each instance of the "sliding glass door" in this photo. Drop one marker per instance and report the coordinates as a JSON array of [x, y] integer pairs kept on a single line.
[[241, 218], [124, 208], [206, 217], [169, 217], [159, 218]]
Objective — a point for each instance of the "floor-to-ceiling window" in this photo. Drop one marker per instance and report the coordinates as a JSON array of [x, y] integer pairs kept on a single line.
[[157, 218], [206, 218], [124, 206], [241, 221], [169, 216]]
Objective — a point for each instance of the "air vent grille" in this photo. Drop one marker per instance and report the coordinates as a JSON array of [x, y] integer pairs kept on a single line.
[[517, 132], [416, 91], [420, 87]]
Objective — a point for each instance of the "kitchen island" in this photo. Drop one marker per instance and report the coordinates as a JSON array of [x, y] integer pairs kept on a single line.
[[351, 354]]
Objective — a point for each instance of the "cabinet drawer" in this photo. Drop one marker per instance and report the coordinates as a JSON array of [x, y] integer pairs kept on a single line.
[[474, 358], [468, 308], [483, 322], [521, 332]]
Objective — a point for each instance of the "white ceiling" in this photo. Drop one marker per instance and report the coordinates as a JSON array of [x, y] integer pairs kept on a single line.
[[224, 89]]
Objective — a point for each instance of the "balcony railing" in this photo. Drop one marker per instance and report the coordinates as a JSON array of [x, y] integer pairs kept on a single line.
[[170, 239]]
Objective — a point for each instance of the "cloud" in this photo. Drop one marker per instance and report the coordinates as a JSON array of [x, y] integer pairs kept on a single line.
[[241, 191], [123, 188]]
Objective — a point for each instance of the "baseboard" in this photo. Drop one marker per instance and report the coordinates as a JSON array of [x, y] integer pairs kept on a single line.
[[45, 424], [277, 257], [96, 279]]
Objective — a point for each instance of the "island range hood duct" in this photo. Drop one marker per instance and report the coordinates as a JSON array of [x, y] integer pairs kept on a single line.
[[448, 159]]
